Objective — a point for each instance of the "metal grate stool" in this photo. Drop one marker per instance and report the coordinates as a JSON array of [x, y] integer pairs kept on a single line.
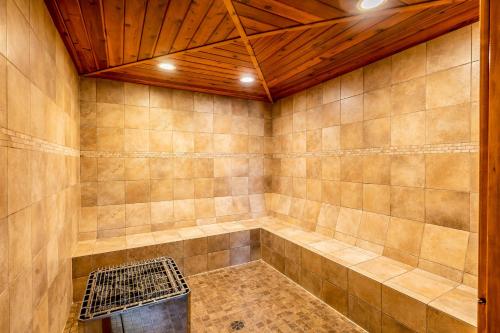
[[147, 296]]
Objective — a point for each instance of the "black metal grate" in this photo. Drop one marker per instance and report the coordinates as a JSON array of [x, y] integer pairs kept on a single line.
[[117, 289]]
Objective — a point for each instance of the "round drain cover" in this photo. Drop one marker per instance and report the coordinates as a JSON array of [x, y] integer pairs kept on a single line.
[[237, 325]]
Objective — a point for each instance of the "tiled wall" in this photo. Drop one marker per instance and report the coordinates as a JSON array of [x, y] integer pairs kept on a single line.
[[39, 163], [386, 157], [154, 158]]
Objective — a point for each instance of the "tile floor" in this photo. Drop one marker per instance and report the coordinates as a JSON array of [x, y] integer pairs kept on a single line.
[[261, 297]]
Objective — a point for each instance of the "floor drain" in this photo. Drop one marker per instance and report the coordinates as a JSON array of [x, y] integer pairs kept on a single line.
[[237, 325]]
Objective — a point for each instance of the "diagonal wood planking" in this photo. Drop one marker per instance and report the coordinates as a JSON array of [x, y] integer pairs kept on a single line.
[[289, 45], [244, 38]]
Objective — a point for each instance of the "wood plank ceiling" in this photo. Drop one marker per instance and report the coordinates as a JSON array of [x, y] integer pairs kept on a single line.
[[286, 45]]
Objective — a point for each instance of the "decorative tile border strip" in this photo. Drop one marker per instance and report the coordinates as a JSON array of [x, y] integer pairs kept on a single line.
[[401, 150], [145, 154], [13, 139]]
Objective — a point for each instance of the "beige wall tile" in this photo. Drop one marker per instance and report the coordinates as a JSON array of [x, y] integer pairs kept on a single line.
[[18, 106], [377, 198], [351, 109], [448, 87], [364, 314], [110, 115], [447, 208], [314, 97], [330, 168], [408, 170], [374, 227], [137, 214], [377, 169], [450, 50], [351, 136], [136, 140], [110, 217], [445, 246], [448, 124], [109, 91], [448, 171], [139, 168], [351, 167], [203, 103], [19, 179], [137, 191], [409, 64], [18, 36], [377, 133], [110, 169], [378, 74], [136, 116], [351, 195], [19, 248], [136, 94], [21, 290], [349, 221], [87, 89], [110, 139], [408, 97], [331, 90], [408, 129], [330, 114], [471, 259], [377, 103], [408, 203], [404, 309], [405, 235], [351, 84], [331, 138], [331, 192], [111, 193]]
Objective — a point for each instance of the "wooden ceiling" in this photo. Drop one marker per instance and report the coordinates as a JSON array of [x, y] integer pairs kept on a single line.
[[286, 45]]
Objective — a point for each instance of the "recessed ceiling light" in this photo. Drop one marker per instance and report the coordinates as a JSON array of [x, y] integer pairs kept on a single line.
[[247, 79], [166, 66], [369, 4]]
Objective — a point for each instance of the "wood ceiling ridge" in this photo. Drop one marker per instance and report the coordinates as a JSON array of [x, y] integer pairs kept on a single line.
[[243, 35]]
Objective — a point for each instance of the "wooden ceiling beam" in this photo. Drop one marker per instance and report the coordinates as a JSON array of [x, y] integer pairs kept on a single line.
[[246, 41]]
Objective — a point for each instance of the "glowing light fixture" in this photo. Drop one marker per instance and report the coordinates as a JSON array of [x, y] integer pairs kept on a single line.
[[369, 4], [247, 79], [167, 66]]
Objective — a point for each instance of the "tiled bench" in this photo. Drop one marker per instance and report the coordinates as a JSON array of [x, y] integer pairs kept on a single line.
[[378, 293], [195, 249]]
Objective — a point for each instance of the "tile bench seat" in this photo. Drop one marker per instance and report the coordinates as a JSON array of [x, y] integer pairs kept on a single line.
[[376, 292]]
